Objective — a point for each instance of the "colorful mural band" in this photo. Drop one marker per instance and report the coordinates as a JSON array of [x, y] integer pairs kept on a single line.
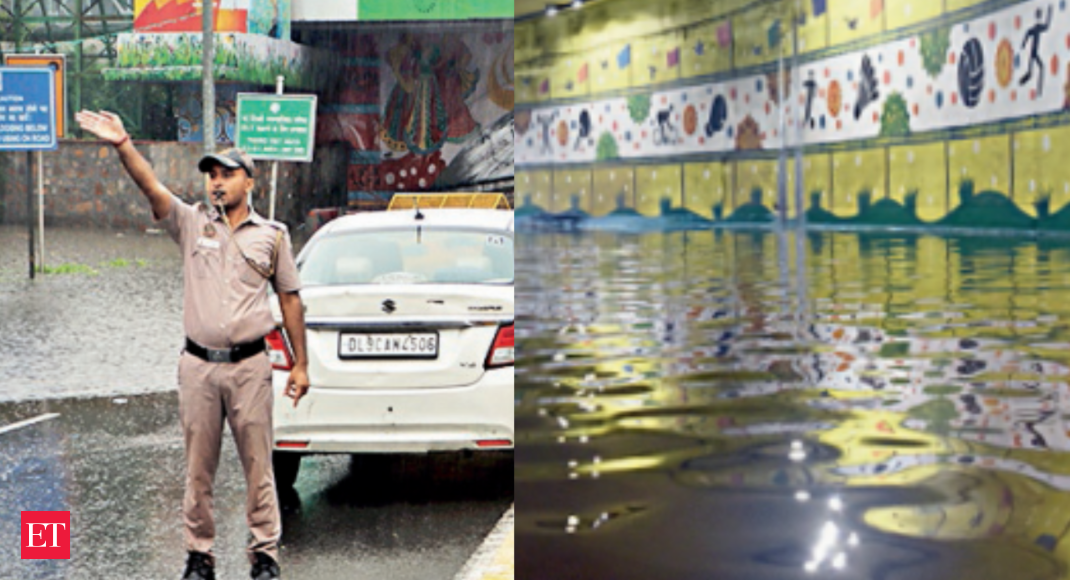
[[886, 104], [240, 57], [266, 17]]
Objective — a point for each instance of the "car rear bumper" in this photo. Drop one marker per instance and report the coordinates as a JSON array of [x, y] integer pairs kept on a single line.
[[333, 420]]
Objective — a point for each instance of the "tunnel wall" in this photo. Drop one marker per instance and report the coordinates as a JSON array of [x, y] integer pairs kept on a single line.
[[910, 113]]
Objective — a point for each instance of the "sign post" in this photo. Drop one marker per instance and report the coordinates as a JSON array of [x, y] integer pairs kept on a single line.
[[28, 120], [58, 63], [276, 128]]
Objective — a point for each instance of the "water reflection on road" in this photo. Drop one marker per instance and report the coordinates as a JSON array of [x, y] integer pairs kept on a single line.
[[111, 324], [755, 405]]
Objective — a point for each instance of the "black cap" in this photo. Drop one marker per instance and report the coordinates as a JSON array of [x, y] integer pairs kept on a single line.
[[229, 158]]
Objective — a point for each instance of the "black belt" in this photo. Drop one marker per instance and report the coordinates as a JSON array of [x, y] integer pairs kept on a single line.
[[236, 353]]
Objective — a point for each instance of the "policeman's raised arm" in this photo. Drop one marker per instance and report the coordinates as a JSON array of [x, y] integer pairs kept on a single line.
[[109, 127]]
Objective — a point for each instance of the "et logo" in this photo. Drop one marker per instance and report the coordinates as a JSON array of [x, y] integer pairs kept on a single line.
[[46, 536]]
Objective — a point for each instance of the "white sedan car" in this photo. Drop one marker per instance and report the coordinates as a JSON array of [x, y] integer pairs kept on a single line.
[[410, 337]]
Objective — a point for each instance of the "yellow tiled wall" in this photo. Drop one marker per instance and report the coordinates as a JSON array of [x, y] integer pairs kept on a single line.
[[611, 184], [705, 185], [921, 168], [654, 183], [853, 172]]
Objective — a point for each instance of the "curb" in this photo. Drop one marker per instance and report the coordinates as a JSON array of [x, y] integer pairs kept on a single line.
[[494, 559]]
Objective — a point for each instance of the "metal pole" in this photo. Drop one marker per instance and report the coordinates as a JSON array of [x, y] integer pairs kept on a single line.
[[41, 211], [279, 87], [800, 218], [782, 158], [29, 213], [208, 74], [79, 53]]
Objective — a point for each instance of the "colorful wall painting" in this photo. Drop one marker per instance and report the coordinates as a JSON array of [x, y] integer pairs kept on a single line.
[[266, 17], [447, 106], [248, 58], [189, 111], [992, 73]]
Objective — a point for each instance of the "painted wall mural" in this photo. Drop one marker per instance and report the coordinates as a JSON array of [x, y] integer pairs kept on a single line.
[[253, 44], [267, 17], [249, 58], [893, 90], [970, 85], [445, 103], [189, 112]]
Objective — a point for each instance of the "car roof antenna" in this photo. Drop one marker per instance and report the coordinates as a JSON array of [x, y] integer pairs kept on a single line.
[[419, 216]]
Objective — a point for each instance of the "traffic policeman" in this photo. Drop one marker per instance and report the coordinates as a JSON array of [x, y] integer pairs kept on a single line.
[[230, 255]]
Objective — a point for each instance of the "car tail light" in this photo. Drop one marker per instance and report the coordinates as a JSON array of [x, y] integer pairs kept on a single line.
[[485, 443], [502, 353], [279, 351]]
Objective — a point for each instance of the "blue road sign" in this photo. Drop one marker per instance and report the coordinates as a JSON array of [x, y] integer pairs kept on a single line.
[[27, 104]]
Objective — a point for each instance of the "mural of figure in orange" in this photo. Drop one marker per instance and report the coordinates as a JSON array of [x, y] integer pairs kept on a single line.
[[426, 108]]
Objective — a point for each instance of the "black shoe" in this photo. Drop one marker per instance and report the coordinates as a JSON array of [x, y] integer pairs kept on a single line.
[[199, 567], [264, 568]]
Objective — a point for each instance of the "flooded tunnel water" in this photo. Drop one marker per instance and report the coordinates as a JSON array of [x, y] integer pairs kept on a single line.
[[734, 404]]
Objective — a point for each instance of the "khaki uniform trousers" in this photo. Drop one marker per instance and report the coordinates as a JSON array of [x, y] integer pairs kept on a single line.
[[241, 394]]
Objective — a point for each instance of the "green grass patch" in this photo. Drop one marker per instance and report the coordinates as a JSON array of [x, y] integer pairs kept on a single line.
[[70, 269]]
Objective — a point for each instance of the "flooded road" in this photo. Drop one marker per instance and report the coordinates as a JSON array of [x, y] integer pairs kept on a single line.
[[93, 350], [741, 405], [116, 464], [108, 322]]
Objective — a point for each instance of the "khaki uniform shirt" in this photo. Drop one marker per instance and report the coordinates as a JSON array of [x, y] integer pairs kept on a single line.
[[226, 300]]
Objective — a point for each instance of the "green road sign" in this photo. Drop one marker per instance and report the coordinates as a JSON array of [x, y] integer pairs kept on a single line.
[[276, 127]]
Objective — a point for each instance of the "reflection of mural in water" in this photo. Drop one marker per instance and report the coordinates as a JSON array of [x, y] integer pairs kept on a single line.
[[904, 382]]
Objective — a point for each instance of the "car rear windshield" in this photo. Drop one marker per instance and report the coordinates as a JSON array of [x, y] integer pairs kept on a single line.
[[410, 256]]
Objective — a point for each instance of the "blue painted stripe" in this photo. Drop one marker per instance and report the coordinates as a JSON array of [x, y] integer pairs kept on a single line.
[[383, 196], [364, 157], [372, 109], [362, 61]]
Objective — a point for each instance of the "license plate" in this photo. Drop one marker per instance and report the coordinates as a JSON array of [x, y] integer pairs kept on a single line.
[[388, 345]]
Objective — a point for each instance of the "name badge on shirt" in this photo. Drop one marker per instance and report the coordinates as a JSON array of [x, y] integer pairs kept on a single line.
[[207, 243]]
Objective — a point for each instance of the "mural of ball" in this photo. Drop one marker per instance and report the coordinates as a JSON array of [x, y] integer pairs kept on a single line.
[[835, 99], [718, 116], [690, 120], [1005, 63], [749, 135], [972, 73], [523, 122], [562, 133]]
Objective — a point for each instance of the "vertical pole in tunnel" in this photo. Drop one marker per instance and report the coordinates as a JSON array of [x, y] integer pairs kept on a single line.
[[800, 119]]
